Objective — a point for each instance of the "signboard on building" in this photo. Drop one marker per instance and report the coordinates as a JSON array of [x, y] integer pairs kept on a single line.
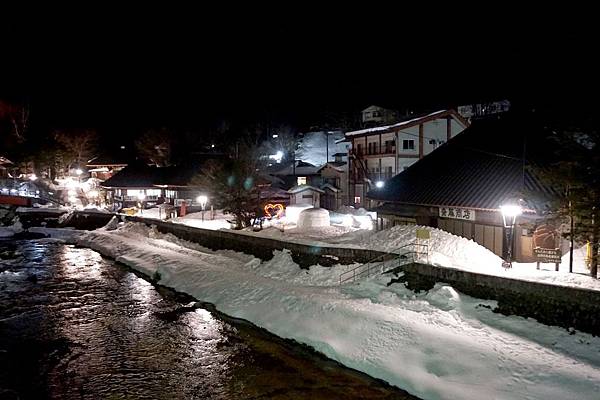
[[457, 213], [480, 110], [423, 233], [547, 255]]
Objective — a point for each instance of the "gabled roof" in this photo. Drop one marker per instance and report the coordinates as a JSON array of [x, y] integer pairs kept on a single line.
[[481, 168], [302, 168], [142, 176], [338, 166], [411, 122], [373, 107], [5, 161], [302, 188], [106, 162], [330, 187]]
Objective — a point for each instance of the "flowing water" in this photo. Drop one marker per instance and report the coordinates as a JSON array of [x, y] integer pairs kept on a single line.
[[74, 325]]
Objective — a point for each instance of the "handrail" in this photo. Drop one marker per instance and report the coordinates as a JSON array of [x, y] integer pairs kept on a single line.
[[379, 262]]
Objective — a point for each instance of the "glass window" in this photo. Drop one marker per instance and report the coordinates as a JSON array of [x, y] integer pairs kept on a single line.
[[408, 144], [301, 180]]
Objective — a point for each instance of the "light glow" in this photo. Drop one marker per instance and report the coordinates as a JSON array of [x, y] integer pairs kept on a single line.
[[79, 171], [379, 184], [511, 210], [202, 199]]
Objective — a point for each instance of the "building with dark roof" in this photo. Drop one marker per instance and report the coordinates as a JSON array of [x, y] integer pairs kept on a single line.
[[156, 185], [461, 186]]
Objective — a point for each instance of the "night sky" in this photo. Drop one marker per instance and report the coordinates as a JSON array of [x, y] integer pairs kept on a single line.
[[123, 70]]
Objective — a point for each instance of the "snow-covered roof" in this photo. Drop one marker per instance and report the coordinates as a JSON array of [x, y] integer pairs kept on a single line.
[[330, 187], [302, 168], [302, 188], [410, 122], [338, 166], [5, 161]]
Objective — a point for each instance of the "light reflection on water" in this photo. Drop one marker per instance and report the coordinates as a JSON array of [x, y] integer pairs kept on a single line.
[[74, 325]]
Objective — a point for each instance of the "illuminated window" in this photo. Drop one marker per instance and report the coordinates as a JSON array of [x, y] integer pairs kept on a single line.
[[357, 200], [301, 180]]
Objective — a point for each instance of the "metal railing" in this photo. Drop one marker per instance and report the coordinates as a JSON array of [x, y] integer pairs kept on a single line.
[[411, 252]]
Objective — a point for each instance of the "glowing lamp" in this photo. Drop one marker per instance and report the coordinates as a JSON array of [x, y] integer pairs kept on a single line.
[[379, 184]]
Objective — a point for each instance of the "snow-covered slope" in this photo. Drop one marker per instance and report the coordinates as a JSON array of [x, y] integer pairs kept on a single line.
[[312, 148]]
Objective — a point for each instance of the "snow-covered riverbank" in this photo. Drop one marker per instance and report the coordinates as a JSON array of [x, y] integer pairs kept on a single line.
[[439, 345]]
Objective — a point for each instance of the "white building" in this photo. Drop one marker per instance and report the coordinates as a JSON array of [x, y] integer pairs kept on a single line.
[[381, 152]]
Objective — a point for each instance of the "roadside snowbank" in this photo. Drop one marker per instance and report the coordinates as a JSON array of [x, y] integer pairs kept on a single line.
[[439, 345]]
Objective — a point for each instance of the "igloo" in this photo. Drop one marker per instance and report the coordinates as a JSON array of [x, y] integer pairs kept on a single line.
[[313, 218]]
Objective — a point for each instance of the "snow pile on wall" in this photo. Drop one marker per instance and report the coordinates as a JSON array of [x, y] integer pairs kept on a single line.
[[313, 218], [292, 212], [445, 249]]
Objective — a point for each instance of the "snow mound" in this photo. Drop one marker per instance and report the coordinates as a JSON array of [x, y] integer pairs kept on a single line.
[[292, 212], [111, 225], [313, 218], [445, 249]]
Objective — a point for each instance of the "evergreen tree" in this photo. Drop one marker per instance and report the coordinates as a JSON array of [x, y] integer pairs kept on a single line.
[[574, 174]]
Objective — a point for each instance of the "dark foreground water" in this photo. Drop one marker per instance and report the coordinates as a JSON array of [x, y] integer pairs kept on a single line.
[[74, 325]]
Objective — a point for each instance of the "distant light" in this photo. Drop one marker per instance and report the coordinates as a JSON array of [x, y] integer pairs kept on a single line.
[[13, 190], [5, 189], [50, 193], [79, 171], [33, 177], [275, 136], [141, 196], [379, 184], [122, 147], [93, 193], [212, 146]]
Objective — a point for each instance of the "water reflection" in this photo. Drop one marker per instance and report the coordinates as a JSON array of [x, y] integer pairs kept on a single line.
[[86, 328]]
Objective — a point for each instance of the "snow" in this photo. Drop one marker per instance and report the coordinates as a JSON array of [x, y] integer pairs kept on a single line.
[[11, 230], [312, 218], [312, 148], [436, 345], [214, 220]]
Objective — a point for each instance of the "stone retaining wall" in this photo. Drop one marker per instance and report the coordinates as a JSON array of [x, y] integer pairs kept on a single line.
[[550, 304], [568, 307]]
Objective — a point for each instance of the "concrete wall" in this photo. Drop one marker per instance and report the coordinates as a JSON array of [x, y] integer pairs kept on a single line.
[[303, 255]]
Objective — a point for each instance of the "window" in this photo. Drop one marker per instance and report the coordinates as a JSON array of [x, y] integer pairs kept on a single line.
[[301, 180], [357, 200], [307, 196], [376, 114], [408, 144]]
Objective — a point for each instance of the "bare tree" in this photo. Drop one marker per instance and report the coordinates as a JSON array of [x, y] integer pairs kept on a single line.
[[18, 117], [155, 147], [234, 183], [76, 147]]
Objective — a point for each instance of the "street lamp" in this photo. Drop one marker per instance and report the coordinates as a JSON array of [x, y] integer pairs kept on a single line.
[[79, 171], [510, 212], [141, 197], [202, 199], [379, 184]]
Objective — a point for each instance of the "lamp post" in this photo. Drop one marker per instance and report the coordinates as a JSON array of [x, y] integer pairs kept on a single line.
[[79, 171], [202, 199], [510, 212], [141, 197]]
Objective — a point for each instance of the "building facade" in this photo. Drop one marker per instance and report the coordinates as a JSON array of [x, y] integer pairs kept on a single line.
[[379, 153]]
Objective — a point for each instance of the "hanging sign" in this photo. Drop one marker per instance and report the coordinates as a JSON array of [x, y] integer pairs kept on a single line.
[[457, 213]]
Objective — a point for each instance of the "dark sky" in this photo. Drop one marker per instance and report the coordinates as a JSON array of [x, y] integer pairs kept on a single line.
[[125, 69]]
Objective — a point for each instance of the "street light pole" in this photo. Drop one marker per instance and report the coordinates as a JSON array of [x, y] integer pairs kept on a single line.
[[202, 199], [509, 217]]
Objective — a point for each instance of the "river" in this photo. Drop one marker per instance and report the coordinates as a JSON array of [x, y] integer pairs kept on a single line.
[[75, 325]]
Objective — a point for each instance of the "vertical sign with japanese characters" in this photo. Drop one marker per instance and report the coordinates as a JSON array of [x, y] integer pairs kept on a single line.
[[457, 213]]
